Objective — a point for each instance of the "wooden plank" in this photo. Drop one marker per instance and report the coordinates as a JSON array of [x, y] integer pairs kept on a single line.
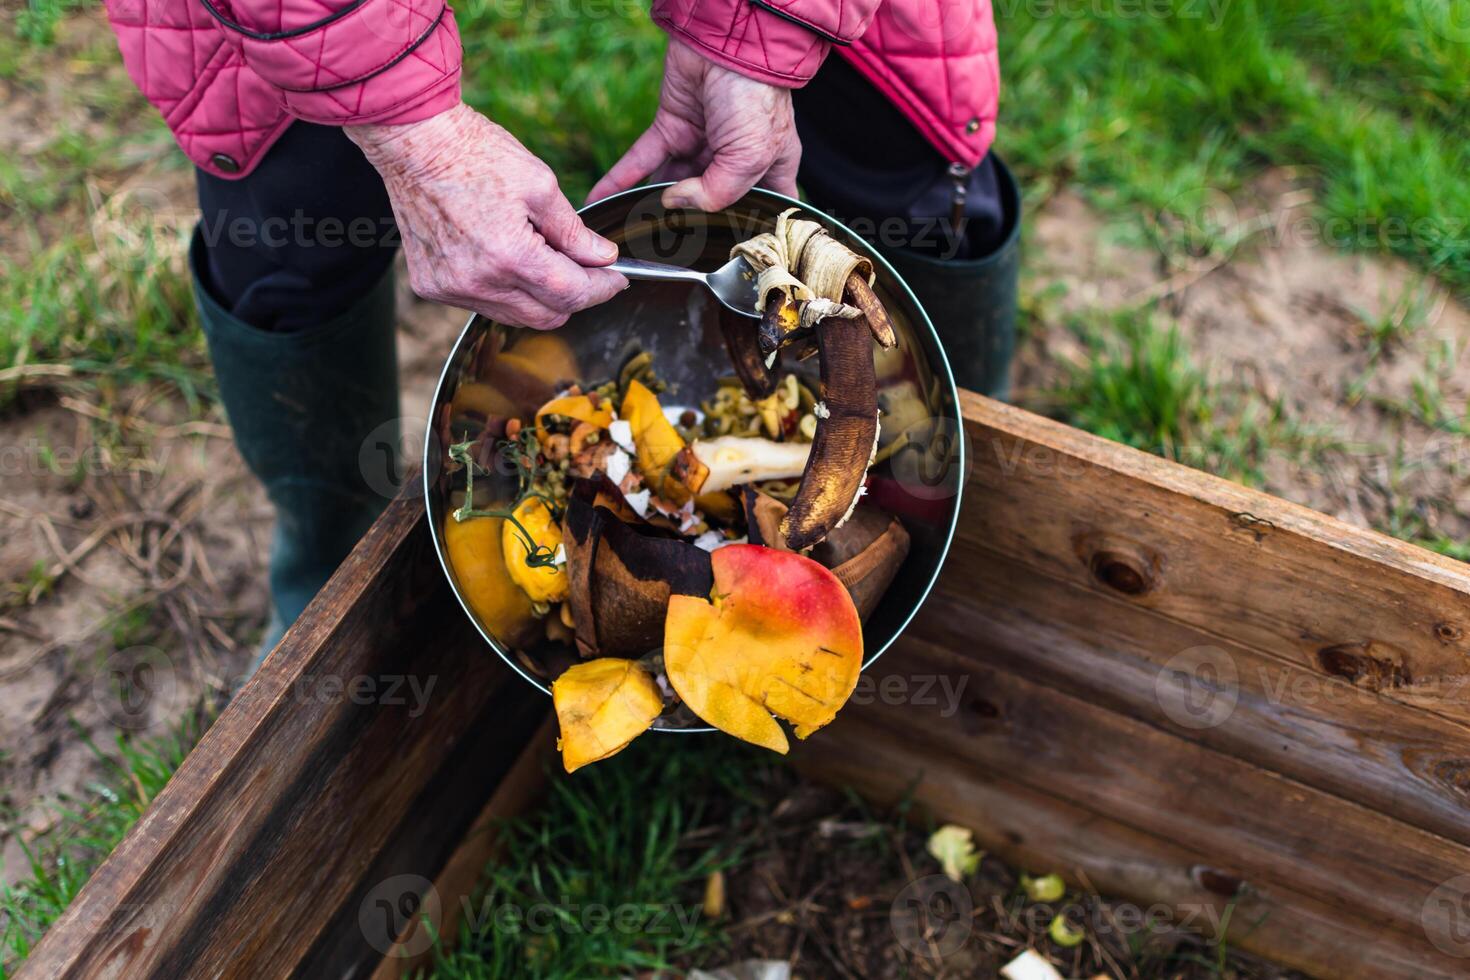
[[1322, 731], [522, 786], [335, 766], [441, 828], [1080, 570], [1335, 599], [1142, 874], [1270, 828]]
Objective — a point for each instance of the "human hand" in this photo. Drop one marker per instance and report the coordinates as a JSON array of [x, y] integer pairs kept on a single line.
[[717, 132], [484, 224]]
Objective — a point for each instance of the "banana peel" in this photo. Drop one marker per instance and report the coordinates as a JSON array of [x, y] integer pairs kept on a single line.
[[846, 435], [756, 372], [763, 514], [860, 293], [780, 324], [813, 289], [865, 554]]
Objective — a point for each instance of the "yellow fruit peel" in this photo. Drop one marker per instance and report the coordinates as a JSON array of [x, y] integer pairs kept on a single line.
[[601, 706]]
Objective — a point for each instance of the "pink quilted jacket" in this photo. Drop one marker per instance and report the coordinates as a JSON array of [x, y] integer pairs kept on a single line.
[[230, 75]]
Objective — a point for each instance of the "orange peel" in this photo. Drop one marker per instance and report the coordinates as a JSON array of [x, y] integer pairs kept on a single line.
[[541, 583], [476, 555]]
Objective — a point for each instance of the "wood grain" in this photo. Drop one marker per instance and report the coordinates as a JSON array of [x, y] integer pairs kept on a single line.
[[522, 786], [1293, 583], [1319, 730], [1092, 591], [1274, 830], [1143, 873], [304, 796]]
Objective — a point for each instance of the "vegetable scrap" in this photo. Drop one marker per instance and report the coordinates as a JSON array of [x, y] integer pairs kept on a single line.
[[716, 558]]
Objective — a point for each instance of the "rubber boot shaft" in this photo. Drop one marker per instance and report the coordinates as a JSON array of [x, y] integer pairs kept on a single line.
[[972, 302], [315, 416]]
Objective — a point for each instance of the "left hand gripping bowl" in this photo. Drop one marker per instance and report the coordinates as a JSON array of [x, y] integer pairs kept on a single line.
[[509, 371]]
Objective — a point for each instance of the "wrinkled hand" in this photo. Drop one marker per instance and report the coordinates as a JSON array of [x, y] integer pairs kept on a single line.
[[717, 132], [484, 224]]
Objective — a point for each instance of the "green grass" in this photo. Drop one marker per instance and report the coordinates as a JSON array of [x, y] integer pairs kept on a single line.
[[1161, 114], [1407, 54], [86, 831], [90, 281], [629, 835], [36, 22], [576, 84], [1400, 319], [125, 313], [1157, 115], [1139, 384]]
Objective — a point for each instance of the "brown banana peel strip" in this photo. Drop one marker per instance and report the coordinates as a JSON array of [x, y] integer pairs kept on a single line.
[[756, 372], [865, 554], [763, 515], [861, 295], [846, 436], [805, 271]]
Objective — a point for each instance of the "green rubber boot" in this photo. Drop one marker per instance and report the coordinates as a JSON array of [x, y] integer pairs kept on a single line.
[[315, 415], [972, 303]]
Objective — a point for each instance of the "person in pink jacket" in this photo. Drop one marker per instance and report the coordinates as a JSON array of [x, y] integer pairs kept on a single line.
[[329, 133]]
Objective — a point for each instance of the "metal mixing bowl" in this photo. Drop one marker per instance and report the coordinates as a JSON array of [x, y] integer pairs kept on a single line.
[[495, 368]]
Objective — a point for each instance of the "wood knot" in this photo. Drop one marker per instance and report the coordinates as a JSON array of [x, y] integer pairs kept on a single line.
[[1121, 572], [1122, 565], [979, 716], [1448, 633], [1369, 665], [1454, 774], [1258, 527], [1219, 882]]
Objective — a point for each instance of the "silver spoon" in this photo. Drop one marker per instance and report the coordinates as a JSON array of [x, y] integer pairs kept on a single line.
[[732, 283]]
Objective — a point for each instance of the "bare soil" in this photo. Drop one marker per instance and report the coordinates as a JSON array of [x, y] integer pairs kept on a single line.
[[828, 884], [1287, 319], [153, 556]]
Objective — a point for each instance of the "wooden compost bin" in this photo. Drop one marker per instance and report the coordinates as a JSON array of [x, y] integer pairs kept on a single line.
[[1175, 689]]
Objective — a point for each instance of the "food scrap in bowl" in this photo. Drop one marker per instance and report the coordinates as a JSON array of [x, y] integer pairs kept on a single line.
[[717, 555]]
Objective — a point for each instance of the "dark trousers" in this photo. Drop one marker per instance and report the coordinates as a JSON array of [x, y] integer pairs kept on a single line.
[[310, 230], [887, 182]]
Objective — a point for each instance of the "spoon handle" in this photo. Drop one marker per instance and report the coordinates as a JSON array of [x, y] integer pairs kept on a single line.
[[656, 271]]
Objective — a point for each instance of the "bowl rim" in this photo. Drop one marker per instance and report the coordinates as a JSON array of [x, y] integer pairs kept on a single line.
[[944, 372]]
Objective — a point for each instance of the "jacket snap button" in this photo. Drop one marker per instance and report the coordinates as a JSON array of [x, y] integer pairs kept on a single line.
[[225, 162], [973, 126]]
